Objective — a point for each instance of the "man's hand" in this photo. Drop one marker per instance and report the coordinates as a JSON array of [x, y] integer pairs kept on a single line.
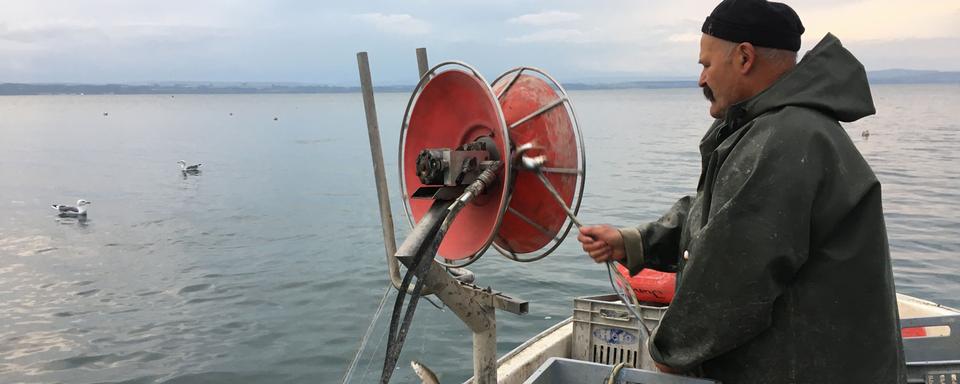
[[602, 243]]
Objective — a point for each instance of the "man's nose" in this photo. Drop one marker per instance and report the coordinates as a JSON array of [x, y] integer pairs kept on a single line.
[[703, 79]]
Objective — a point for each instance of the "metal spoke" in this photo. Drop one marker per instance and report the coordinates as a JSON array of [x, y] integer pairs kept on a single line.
[[510, 84], [556, 195], [532, 223], [507, 248], [540, 111], [568, 171]]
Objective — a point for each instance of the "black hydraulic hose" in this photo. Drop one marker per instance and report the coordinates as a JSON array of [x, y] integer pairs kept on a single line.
[[397, 332], [421, 264], [395, 344]]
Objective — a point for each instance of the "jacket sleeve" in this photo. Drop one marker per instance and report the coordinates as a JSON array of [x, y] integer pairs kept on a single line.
[[655, 244], [755, 240]]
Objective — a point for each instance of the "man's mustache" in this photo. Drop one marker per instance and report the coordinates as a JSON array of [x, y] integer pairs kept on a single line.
[[708, 93]]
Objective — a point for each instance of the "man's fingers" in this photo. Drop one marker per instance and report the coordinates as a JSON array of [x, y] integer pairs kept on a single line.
[[596, 241], [594, 246], [591, 231], [601, 255]]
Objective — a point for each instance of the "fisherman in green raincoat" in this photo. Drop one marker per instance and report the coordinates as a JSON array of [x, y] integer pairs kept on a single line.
[[784, 272]]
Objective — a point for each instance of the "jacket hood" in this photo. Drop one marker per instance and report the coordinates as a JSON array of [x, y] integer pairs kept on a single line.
[[828, 79]]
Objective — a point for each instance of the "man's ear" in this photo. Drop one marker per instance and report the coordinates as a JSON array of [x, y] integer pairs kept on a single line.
[[746, 56]]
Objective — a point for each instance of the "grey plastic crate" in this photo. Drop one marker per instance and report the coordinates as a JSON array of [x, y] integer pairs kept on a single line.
[[605, 332], [558, 370], [933, 359]]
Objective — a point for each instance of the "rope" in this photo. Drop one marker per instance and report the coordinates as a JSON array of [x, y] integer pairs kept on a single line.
[[613, 374], [366, 335], [626, 295]]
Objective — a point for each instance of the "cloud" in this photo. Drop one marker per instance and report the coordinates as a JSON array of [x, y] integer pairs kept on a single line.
[[402, 24], [38, 32], [684, 37], [62, 34], [883, 20], [551, 36], [119, 40], [545, 18]]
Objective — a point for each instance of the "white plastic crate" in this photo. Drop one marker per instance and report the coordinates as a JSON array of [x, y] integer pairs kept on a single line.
[[557, 370], [605, 332]]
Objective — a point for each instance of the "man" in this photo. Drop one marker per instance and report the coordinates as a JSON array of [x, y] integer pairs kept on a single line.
[[784, 274]]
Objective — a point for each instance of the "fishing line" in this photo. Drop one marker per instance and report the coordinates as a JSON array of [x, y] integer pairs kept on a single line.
[[370, 360], [366, 335]]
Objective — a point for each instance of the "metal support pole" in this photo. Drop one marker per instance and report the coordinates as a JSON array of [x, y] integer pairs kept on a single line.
[[485, 349], [422, 64], [376, 152]]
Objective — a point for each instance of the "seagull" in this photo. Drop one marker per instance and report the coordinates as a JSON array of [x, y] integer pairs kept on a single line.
[[67, 211], [191, 169]]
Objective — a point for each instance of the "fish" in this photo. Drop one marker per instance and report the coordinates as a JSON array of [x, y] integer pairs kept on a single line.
[[425, 374]]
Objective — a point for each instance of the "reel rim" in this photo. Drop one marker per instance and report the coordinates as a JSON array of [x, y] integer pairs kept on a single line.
[[555, 242], [502, 129]]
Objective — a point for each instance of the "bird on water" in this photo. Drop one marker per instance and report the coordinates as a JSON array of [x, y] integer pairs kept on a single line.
[[191, 169], [80, 210]]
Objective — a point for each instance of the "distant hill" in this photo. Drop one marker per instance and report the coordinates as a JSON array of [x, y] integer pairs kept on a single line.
[[633, 85], [910, 76], [179, 88], [889, 76]]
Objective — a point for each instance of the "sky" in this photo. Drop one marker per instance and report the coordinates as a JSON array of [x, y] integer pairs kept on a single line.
[[133, 41]]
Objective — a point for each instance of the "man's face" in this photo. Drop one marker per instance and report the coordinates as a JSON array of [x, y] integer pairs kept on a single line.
[[719, 79]]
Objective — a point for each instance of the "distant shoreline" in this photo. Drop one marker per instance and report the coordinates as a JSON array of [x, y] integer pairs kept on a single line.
[[892, 76]]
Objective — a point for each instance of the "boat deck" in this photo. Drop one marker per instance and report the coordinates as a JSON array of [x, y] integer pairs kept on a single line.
[[520, 363]]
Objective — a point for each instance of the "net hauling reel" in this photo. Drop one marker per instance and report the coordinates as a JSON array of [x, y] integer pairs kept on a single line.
[[456, 127], [477, 162]]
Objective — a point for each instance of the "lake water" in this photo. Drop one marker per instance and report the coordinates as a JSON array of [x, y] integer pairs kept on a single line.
[[268, 267]]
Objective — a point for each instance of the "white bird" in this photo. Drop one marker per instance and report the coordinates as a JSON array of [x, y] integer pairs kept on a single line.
[[70, 211], [191, 169]]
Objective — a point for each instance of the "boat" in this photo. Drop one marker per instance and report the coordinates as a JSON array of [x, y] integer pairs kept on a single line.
[[467, 133]]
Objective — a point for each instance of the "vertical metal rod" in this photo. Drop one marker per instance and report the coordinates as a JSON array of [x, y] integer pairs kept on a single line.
[[485, 350], [422, 64], [376, 152]]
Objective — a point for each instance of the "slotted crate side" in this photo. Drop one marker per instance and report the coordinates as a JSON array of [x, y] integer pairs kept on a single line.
[[605, 332]]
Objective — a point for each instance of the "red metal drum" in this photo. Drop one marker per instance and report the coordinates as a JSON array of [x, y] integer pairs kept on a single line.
[[534, 219], [453, 108]]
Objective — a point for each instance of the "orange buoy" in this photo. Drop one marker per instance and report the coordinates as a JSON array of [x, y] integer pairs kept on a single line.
[[650, 285]]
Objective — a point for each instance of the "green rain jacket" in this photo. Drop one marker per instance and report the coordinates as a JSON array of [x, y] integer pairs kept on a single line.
[[788, 276]]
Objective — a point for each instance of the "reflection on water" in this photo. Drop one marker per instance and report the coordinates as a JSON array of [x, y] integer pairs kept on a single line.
[[268, 266]]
